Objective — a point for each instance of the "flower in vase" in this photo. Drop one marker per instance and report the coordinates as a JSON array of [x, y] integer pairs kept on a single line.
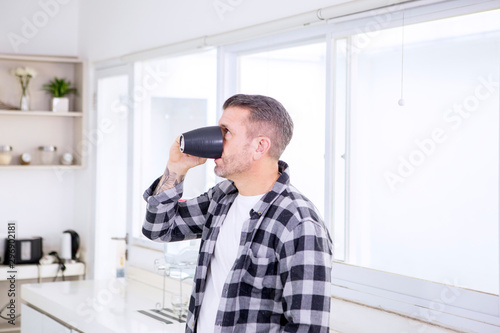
[[24, 74]]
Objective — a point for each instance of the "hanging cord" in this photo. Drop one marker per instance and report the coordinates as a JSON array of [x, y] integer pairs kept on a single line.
[[401, 101], [61, 267], [7, 318]]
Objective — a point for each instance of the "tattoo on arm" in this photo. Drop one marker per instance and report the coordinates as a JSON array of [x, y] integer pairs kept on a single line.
[[168, 180]]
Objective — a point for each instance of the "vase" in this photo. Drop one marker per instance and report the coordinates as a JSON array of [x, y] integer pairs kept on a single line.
[[25, 101], [60, 104]]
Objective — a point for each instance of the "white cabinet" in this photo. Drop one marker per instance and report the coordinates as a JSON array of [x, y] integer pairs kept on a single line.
[[25, 131], [33, 321], [49, 325]]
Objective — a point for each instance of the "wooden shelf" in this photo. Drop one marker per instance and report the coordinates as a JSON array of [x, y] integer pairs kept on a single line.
[[25, 131], [41, 167], [40, 113]]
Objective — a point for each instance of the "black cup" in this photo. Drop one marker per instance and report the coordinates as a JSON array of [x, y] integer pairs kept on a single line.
[[202, 142]]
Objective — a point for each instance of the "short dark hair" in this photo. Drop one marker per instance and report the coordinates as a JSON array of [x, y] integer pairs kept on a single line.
[[267, 116]]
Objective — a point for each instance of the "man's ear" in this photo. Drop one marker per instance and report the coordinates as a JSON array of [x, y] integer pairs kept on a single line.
[[263, 146]]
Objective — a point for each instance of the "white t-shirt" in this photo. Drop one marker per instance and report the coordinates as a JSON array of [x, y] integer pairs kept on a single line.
[[226, 250]]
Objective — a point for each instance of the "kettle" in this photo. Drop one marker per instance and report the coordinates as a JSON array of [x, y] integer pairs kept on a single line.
[[70, 245]]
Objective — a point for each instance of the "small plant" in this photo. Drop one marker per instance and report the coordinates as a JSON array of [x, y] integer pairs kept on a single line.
[[59, 88]]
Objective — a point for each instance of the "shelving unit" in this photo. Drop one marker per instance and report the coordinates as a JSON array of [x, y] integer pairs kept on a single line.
[[25, 131], [16, 113]]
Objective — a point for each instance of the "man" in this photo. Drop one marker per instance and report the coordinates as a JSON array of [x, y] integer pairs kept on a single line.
[[265, 254]]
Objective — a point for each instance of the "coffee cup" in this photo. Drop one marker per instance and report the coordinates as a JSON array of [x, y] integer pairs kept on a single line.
[[202, 142]]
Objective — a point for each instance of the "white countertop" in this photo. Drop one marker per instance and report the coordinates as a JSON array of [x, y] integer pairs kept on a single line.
[[100, 305]]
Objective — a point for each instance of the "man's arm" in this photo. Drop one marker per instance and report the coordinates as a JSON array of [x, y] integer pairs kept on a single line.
[[169, 180], [167, 219], [306, 261], [177, 167]]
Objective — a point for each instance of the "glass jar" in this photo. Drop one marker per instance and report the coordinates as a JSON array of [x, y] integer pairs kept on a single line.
[[47, 154], [5, 154]]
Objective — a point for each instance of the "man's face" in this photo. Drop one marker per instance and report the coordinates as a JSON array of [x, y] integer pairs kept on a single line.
[[236, 156]]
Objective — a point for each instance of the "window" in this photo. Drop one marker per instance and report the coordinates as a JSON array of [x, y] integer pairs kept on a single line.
[[295, 76], [172, 95], [422, 179]]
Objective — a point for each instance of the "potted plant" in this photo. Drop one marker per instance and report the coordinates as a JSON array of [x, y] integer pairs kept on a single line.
[[59, 88]]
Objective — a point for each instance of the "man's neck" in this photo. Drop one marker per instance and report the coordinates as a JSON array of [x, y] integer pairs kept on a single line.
[[259, 180]]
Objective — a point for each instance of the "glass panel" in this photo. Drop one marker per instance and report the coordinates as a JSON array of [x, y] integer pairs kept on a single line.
[[423, 177], [173, 95], [182, 98], [168, 118], [295, 76]]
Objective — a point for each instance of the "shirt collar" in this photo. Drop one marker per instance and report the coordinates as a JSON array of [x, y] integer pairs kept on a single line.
[[281, 183]]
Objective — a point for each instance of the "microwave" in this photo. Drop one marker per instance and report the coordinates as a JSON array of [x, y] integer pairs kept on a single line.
[[23, 251]]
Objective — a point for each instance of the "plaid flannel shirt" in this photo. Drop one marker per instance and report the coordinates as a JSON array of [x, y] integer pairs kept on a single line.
[[280, 281]]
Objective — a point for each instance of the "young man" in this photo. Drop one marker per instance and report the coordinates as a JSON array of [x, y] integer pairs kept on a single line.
[[265, 254]]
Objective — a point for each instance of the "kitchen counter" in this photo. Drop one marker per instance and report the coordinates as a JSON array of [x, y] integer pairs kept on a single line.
[[99, 305], [34, 271]]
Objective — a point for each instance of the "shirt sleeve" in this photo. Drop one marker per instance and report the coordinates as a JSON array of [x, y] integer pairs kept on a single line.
[[306, 263], [169, 219]]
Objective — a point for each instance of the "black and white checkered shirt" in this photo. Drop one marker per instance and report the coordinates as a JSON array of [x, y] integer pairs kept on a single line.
[[280, 281]]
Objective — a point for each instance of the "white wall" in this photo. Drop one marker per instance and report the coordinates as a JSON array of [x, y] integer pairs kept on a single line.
[[115, 27], [40, 202], [44, 27]]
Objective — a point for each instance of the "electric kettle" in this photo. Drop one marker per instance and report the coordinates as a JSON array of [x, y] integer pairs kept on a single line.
[[70, 245]]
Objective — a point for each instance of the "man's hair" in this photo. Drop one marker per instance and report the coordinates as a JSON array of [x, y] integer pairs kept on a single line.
[[267, 117]]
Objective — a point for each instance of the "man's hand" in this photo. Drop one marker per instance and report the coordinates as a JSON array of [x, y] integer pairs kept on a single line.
[[177, 167]]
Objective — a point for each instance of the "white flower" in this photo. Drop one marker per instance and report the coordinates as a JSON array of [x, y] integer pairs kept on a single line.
[[23, 72], [30, 71], [19, 71]]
